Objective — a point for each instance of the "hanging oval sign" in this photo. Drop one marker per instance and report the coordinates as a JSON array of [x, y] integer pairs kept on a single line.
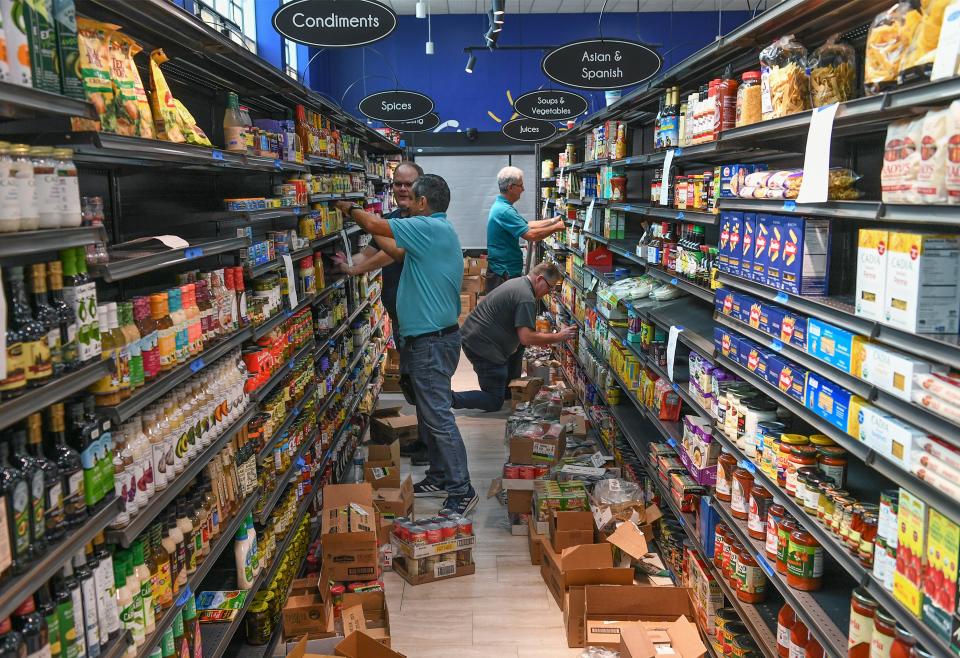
[[601, 64], [550, 105], [423, 124], [334, 23], [528, 130], [396, 105]]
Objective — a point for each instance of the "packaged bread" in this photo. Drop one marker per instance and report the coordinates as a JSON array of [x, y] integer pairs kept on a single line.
[[918, 58], [784, 80], [901, 161], [165, 119], [890, 34], [833, 74], [931, 186], [93, 42]]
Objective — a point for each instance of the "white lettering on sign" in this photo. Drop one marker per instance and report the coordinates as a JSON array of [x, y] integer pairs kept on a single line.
[[605, 74], [595, 57], [529, 129], [384, 105], [333, 20]]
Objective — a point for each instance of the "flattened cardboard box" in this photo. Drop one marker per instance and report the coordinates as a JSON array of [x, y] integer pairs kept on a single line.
[[607, 607], [573, 603], [349, 545], [580, 565]]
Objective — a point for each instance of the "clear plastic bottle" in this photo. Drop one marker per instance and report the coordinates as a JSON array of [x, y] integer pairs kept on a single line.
[[91, 211], [68, 188], [234, 126]]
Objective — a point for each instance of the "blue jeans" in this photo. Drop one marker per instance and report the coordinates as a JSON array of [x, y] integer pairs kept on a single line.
[[492, 378], [431, 362]]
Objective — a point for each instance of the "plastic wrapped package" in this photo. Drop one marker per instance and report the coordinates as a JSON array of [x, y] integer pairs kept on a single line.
[[890, 34], [918, 58], [931, 184], [833, 76], [785, 86], [952, 182], [785, 184], [598, 652], [616, 491], [901, 161], [93, 39]]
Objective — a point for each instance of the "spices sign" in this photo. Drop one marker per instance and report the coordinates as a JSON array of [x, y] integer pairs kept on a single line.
[[528, 130], [550, 105], [601, 64], [423, 124], [334, 23], [396, 105]]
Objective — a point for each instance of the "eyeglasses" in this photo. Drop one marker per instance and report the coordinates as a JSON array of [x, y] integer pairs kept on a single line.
[[520, 185], [398, 183]]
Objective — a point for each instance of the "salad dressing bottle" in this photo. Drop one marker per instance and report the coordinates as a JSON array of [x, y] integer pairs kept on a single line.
[[147, 328], [166, 332], [106, 591], [161, 578], [65, 318], [107, 388], [134, 347], [179, 318], [143, 578]]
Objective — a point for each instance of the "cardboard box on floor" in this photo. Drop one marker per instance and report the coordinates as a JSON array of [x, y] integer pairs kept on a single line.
[[367, 612], [308, 611], [356, 645], [519, 502], [524, 389], [392, 496], [570, 529], [386, 429], [607, 608], [581, 565], [391, 383], [545, 449], [472, 284], [651, 639], [392, 503], [535, 542], [393, 361], [349, 532]]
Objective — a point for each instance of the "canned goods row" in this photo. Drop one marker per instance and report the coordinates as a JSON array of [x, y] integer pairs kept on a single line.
[[432, 531], [525, 471]]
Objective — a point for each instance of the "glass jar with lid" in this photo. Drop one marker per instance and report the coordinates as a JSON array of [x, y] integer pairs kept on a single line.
[[884, 634], [21, 173], [862, 611], [749, 104]]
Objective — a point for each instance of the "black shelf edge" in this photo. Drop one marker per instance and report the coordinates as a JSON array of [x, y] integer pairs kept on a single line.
[[336, 196], [862, 210], [326, 239], [40, 571], [36, 399], [261, 393], [170, 380], [126, 535], [288, 421], [254, 271], [285, 479], [324, 292], [116, 646], [278, 319], [37, 242], [20, 102], [121, 269], [253, 216]]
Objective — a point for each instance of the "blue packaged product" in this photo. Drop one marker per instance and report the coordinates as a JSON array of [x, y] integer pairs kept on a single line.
[[831, 344], [792, 380], [806, 255], [748, 230], [827, 400], [787, 327], [761, 244], [732, 177], [775, 240]]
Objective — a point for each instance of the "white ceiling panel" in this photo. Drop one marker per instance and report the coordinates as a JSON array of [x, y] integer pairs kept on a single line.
[[573, 6]]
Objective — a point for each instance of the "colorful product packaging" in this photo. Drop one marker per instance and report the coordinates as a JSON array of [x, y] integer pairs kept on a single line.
[[828, 400], [940, 576], [871, 273], [748, 230], [922, 291], [761, 244], [889, 370], [831, 344], [805, 253], [912, 519]]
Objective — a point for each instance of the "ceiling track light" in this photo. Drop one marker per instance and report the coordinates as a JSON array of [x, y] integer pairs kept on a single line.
[[496, 24], [421, 9], [429, 47], [498, 7], [471, 62]]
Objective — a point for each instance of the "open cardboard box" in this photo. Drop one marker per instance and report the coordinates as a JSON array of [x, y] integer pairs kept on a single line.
[[525, 389], [356, 645], [396, 502], [401, 428], [545, 449], [349, 532], [308, 611], [367, 612], [652, 639], [570, 529], [607, 608], [581, 565], [535, 542]]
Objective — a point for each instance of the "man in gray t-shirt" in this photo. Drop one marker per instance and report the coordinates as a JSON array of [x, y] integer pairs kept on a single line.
[[505, 319]]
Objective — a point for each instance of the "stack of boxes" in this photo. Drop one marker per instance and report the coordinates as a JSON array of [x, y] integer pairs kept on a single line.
[[474, 277], [392, 496], [391, 371]]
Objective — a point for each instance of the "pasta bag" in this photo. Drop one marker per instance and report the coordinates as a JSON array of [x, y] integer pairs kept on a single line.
[[890, 35], [952, 182], [164, 110], [901, 160], [833, 74], [918, 58], [931, 172], [784, 84]]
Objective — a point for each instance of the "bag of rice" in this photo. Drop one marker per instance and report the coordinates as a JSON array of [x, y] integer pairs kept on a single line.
[[931, 173], [901, 159]]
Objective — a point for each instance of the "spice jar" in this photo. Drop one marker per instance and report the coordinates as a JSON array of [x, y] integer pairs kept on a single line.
[[735, 394], [862, 611], [785, 528], [760, 501], [852, 538], [775, 514], [740, 493], [785, 621], [726, 465], [843, 516], [787, 443], [833, 462], [751, 581], [801, 482], [800, 456], [804, 561], [749, 108], [868, 539]]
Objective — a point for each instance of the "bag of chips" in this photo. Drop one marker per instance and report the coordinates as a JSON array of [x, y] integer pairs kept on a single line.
[[890, 35], [952, 173], [93, 42], [833, 74], [125, 98], [145, 127]]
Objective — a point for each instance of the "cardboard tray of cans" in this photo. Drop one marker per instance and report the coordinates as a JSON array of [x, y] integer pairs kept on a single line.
[[405, 568], [417, 551]]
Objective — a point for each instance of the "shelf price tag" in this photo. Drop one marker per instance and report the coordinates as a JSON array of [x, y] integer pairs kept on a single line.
[[762, 561], [673, 281], [277, 164], [628, 208], [193, 252], [217, 155], [816, 162], [781, 298], [680, 216], [197, 364], [776, 345], [789, 205], [291, 280]]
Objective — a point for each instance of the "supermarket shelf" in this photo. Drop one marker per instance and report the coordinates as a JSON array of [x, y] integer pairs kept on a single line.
[[24, 243], [942, 502], [669, 277], [286, 478], [695, 319], [586, 202], [33, 400], [944, 348], [167, 382], [281, 317], [225, 540], [655, 210], [254, 216], [862, 210], [261, 393], [336, 196], [124, 268], [116, 646], [323, 293], [291, 417], [126, 535], [39, 571], [277, 263], [325, 240], [825, 612], [19, 102]]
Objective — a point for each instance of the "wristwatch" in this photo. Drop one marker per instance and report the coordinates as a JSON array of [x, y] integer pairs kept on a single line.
[[354, 207]]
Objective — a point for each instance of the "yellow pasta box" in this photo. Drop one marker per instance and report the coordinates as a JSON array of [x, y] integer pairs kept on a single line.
[[912, 517], [922, 291], [871, 272]]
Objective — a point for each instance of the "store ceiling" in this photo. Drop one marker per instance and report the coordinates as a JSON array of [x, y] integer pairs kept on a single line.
[[576, 6]]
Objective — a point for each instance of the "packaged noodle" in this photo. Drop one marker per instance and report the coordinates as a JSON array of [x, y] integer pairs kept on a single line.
[[901, 160], [953, 154], [887, 41], [932, 171], [783, 78], [918, 58], [93, 40], [125, 98], [165, 119], [188, 125], [145, 127], [832, 73]]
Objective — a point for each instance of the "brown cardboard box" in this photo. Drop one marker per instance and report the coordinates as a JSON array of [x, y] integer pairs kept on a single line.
[[535, 542], [607, 608], [360, 645], [519, 502], [649, 639], [309, 609], [393, 361], [394, 428], [392, 502], [573, 616], [545, 449], [391, 383], [576, 424], [587, 564], [472, 283], [307, 648], [525, 389], [367, 612], [468, 302], [570, 529], [349, 532], [382, 468], [400, 566], [630, 539]]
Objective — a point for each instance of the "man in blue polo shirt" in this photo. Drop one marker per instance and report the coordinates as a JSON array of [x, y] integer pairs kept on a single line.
[[429, 296]]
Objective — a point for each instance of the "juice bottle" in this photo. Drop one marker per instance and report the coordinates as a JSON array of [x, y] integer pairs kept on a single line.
[[166, 332], [234, 127], [179, 318], [194, 329]]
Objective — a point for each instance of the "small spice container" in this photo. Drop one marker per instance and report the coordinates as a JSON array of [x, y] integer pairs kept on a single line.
[[768, 431], [760, 502], [804, 561], [751, 581], [740, 493], [785, 528], [726, 465], [800, 456], [825, 502], [775, 514], [833, 462], [862, 611]]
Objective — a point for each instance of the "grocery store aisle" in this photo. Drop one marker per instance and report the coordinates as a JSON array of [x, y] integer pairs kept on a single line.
[[504, 609]]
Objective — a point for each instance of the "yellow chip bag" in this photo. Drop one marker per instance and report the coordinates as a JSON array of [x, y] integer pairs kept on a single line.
[[93, 42], [125, 99], [162, 105]]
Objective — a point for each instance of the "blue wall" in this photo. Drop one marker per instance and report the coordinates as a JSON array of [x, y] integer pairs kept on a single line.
[[467, 98]]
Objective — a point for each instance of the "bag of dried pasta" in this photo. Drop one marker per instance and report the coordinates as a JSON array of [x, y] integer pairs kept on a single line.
[[918, 58], [784, 81], [833, 76], [165, 119], [890, 35], [93, 43]]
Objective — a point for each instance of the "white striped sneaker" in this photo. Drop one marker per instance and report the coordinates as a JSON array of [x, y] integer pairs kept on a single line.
[[426, 488]]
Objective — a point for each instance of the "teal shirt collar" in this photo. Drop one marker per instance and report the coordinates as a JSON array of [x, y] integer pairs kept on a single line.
[[500, 197]]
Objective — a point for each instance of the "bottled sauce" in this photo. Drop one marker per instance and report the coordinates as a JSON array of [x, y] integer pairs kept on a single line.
[[161, 579], [103, 575], [80, 294], [179, 318], [88, 591], [191, 628], [185, 526], [22, 461], [33, 334], [863, 609], [243, 554], [68, 189], [194, 329], [180, 553], [32, 628], [71, 470], [45, 184], [133, 345], [798, 640], [120, 350], [46, 315], [46, 607], [166, 331], [242, 319], [76, 606], [66, 320], [155, 433], [129, 619], [16, 493], [234, 127], [205, 309], [122, 482], [804, 561], [785, 623], [144, 580], [64, 606], [147, 330], [54, 518], [91, 208], [10, 209], [21, 171]]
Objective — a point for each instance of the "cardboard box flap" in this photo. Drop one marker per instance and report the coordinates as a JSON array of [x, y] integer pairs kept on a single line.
[[341, 495], [361, 645], [395, 494], [651, 514], [384, 454], [629, 539], [300, 651], [651, 603], [634, 642], [572, 521], [586, 556], [353, 619], [641, 639]]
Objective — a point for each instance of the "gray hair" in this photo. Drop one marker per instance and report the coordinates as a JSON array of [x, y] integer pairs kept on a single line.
[[435, 190], [509, 176]]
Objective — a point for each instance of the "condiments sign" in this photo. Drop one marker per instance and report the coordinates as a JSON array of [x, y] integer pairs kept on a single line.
[[423, 124], [528, 130], [550, 105], [601, 64], [396, 105], [334, 23]]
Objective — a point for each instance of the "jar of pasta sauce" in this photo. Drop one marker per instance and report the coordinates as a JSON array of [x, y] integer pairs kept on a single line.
[[785, 527], [785, 621], [726, 465], [833, 462], [868, 539], [751, 581], [804, 561], [800, 456], [736, 554], [884, 633], [775, 514], [798, 640], [719, 540], [862, 611], [787, 443], [740, 493], [760, 502]]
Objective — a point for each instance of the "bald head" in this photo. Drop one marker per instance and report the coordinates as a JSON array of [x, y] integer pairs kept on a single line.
[[510, 183]]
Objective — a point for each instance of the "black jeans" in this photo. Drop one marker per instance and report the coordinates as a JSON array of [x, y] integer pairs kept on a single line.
[[492, 378]]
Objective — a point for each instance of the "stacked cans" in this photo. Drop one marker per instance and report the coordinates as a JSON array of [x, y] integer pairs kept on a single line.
[[447, 526], [524, 471]]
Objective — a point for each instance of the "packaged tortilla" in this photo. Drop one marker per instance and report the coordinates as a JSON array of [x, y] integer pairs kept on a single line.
[[888, 39], [931, 173], [165, 119], [833, 74], [901, 160], [93, 41], [785, 86], [193, 133], [952, 182], [918, 58], [125, 98]]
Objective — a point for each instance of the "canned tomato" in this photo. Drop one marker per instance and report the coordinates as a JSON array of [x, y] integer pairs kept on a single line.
[[433, 533], [723, 617], [731, 632], [527, 472], [542, 471], [448, 530], [465, 527], [417, 535], [510, 471]]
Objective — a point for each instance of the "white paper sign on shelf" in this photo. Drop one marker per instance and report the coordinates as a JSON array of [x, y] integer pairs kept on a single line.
[[588, 223], [291, 279], [948, 48], [665, 187], [349, 254], [672, 348], [816, 162]]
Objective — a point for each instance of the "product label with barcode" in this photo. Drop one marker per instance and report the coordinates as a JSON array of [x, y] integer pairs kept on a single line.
[[447, 568]]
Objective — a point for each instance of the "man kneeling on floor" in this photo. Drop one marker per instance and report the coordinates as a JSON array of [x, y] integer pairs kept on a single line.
[[429, 302], [503, 320]]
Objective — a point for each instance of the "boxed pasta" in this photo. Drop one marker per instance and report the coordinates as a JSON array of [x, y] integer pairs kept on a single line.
[[748, 231], [831, 344], [871, 273], [828, 400], [912, 517], [805, 255], [887, 369], [922, 291]]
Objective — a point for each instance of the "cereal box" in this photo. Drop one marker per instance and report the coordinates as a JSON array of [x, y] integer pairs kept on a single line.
[[871, 273], [922, 291]]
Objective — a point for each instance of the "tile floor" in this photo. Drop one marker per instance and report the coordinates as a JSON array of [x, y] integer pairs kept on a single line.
[[502, 611]]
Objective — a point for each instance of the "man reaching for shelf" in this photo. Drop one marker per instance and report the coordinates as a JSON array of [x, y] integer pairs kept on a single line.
[[429, 295], [504, 320]]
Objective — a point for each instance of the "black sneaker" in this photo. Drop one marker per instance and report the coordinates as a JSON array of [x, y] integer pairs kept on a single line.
[[426, 488], [462, 504]]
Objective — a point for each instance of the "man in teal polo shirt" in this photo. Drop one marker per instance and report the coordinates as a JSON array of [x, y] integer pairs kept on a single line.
[[429, 299]]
